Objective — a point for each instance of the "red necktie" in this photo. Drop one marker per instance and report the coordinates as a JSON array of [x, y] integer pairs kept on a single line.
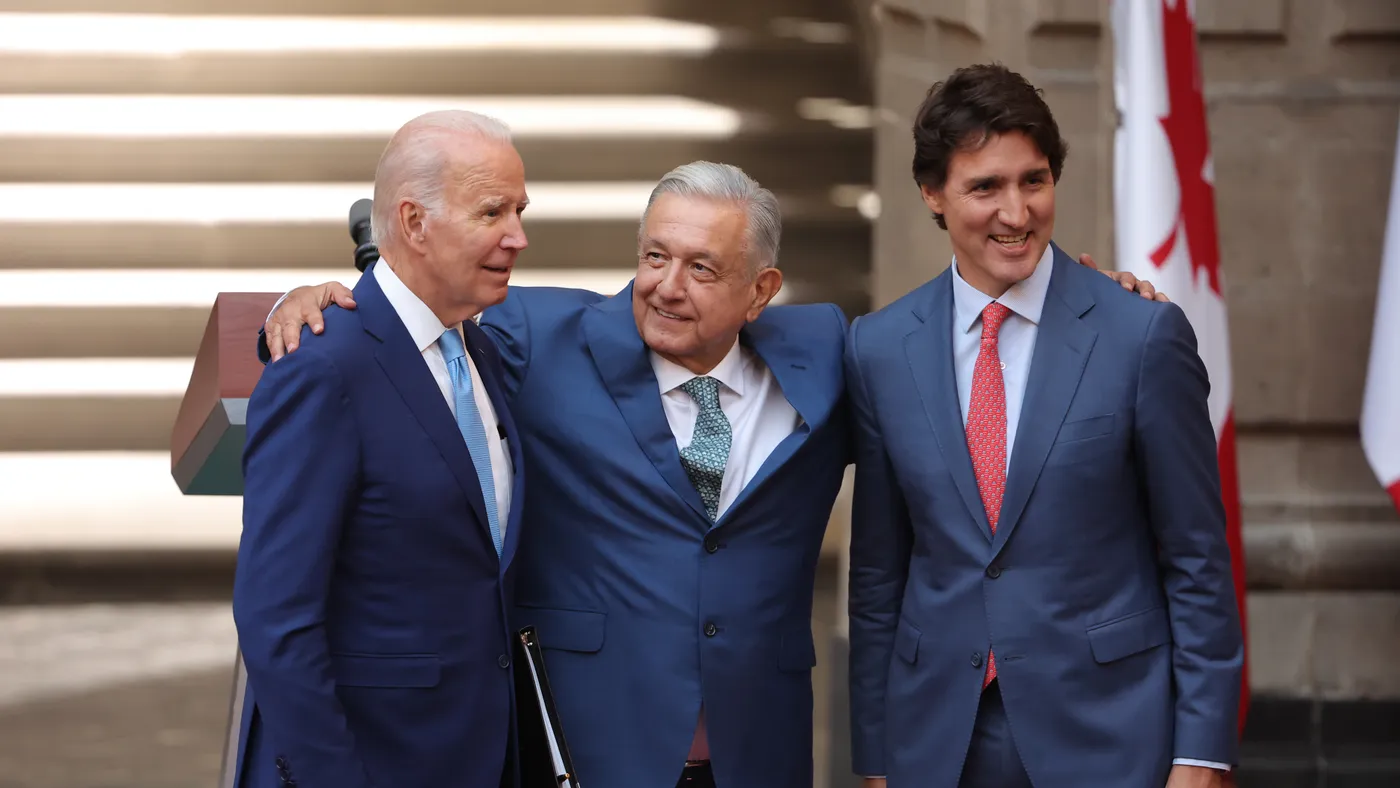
[[986, 429]]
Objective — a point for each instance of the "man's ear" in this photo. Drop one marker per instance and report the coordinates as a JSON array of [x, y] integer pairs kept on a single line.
[[412, 218], [766, 285], [933, 199]]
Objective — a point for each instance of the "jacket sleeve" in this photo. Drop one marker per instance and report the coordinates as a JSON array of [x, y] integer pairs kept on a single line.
[[508, 326], [881, 542], [1180, 475], [300, 468]]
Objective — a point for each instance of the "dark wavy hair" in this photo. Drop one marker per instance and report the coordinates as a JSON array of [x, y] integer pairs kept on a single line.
[[969, 107]]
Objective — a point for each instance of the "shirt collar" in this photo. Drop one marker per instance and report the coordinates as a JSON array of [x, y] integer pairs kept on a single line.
[[729, 371], [422, 324], [1026, 298]]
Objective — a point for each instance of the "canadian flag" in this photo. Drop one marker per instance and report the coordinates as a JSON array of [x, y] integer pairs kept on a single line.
[[1380, 411], [1164, 207]]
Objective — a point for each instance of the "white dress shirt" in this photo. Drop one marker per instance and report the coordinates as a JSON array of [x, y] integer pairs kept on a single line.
[[426, 329], [758, 413], [760, 417], [1015, 346]]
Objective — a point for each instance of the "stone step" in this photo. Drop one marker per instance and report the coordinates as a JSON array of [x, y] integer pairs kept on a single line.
[[758, 69], [780, 161], [744, 14], [827, 243], [63, 292], [114, 314]]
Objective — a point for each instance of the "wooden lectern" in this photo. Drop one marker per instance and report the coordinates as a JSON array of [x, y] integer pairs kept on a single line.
[[206, 444]]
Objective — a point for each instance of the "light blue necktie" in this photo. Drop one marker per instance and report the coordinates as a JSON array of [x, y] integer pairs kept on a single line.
[[704, 459], [469, 422]]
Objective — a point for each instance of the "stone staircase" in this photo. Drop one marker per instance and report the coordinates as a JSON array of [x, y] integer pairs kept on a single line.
[[156, 152]]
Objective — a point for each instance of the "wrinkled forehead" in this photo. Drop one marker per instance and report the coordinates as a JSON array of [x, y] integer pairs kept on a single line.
[[474, 166]]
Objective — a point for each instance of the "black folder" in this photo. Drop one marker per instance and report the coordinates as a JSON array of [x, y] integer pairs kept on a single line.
[[544, 759]]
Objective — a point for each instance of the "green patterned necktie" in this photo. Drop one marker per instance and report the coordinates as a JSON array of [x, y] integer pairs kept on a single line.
[[704, 459]]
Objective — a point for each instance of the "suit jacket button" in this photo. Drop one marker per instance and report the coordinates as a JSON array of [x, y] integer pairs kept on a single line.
[[994, 571], [976, 660], [503, 661], [711, 543], [711, 630]]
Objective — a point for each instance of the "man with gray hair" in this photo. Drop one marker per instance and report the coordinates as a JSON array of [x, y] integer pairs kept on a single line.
[[686, 442], [381, 508]]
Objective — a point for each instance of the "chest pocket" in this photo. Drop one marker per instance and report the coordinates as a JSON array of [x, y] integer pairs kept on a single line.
[[1083, 439]]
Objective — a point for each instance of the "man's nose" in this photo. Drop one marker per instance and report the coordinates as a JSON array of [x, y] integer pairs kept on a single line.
[[673, 281], [1014, 212], [514, 238]]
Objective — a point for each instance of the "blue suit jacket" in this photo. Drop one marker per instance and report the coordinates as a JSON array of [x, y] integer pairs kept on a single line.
[[643, 609], [1106, 591], [370, 603]]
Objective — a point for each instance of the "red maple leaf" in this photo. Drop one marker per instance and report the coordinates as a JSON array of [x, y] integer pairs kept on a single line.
[[1185, 126]]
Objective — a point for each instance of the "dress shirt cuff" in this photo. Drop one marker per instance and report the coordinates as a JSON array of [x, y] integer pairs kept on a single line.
[[1206, 764]]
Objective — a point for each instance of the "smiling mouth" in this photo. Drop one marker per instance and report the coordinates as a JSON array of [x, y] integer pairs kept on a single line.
[[667, 315], [1011, 240], [498, 269]]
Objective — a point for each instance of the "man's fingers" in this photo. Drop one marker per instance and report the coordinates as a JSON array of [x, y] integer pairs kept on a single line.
[[1087, 261], [291, 335], [1162, 297], [342, 296], [311, 317], [273, 335], [334, 293]]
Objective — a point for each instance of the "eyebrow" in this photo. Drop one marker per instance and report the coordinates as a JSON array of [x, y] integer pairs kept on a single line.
[[996, 180], [648, 241], [498, 201]]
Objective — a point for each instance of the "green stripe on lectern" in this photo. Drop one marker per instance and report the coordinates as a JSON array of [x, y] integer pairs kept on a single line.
[[213, 463]]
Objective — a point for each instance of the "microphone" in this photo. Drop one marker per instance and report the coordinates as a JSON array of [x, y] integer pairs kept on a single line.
[[365, 250]]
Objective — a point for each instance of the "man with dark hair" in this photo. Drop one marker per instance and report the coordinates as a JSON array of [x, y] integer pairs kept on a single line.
[[1040, 581]]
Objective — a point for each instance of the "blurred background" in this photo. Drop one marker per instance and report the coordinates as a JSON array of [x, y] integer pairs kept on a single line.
[[156, 152]]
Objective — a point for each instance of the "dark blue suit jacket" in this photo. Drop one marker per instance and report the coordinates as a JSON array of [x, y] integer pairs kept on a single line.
[[1106, 591], [643, 609], [370, 603]]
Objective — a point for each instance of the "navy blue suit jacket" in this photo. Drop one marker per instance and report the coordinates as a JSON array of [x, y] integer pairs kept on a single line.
[[370, 603], [644, 610], [1106, 591]]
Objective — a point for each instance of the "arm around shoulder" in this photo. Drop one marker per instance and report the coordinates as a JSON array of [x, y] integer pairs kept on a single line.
[[1179, 473]]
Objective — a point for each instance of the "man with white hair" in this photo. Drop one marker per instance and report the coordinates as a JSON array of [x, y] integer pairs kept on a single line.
[[381, 507], [686, 442]]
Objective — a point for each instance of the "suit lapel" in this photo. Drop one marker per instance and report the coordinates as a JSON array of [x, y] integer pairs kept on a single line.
[[790, 367], [624, 364], [929, 349], [1062, 348], [402, 362], [488, 365]]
